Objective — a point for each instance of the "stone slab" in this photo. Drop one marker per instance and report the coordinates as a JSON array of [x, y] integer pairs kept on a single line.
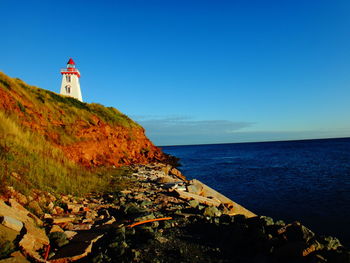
[[11, 223], [200, 199]]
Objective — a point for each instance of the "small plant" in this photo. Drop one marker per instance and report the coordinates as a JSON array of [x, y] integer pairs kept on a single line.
[[5, 83], [21, 107]]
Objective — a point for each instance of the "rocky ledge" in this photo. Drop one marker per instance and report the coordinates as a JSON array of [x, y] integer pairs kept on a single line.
[[161, 217]]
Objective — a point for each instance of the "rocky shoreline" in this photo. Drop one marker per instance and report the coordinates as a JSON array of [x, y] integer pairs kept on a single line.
[[161, 217]]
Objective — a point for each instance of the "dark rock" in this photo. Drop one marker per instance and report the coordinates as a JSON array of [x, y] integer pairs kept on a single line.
[[226, 219], [240, 219], [297, 232]]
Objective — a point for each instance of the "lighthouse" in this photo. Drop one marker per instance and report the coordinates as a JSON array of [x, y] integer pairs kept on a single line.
[[70, 81]]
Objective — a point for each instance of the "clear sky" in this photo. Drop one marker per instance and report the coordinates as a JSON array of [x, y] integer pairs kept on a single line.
[[194, 71]]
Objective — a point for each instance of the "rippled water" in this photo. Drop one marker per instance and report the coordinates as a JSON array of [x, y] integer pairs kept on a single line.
[[306, 180]]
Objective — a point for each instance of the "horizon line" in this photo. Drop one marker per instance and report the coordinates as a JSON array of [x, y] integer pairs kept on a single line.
[[267, 141]]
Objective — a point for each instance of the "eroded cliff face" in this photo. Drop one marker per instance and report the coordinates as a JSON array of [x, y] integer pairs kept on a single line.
[[101, 144], [88, 134]]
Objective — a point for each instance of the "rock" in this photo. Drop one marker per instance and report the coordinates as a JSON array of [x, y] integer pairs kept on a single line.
[[193, 203], [194, 189], [35, 207], [79, 227], [161, 239], [289, 250], [297, 232], [268, 221], [34, 239], [50, 206], [74, 208], [212, 211], [178, 174], [70, 234], [79, 247], [58, 239], [146, 217], [331, 243], [110, 221], [22, 199], [58, 210], [62, 220], [11, 223], [56, 228], [166, 180], [200, 199], [16, 257], [91, 214], [47, 216], [225, 219]]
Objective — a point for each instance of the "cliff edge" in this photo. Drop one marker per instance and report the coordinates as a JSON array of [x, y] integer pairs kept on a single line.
[[53, 142]]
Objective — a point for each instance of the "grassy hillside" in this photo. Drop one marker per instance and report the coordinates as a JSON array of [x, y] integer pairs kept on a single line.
[[41, 130]]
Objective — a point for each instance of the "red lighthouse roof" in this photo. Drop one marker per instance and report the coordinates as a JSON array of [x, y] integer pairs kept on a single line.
[[71, 62]]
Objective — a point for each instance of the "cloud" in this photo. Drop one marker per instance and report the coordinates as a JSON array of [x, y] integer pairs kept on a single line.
[[170, 130], [182, 130]]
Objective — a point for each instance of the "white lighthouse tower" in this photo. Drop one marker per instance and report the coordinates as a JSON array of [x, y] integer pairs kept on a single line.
[[70, 81]]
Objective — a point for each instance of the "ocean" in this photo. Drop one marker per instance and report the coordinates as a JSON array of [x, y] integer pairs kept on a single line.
[[307, 180]]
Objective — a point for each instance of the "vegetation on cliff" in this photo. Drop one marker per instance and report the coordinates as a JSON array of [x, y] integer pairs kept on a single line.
[[58, 143]]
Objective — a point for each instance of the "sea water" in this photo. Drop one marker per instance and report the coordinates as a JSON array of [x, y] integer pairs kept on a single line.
[[306, 180]]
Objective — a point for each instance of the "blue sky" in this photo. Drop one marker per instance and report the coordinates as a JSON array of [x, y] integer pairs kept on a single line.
[[194, 71]]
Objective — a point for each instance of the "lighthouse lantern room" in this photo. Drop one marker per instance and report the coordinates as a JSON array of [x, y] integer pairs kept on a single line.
[[70, 81]]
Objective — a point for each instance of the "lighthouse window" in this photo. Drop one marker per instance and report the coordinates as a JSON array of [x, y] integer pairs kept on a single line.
[[67, 89], [68, 78]]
